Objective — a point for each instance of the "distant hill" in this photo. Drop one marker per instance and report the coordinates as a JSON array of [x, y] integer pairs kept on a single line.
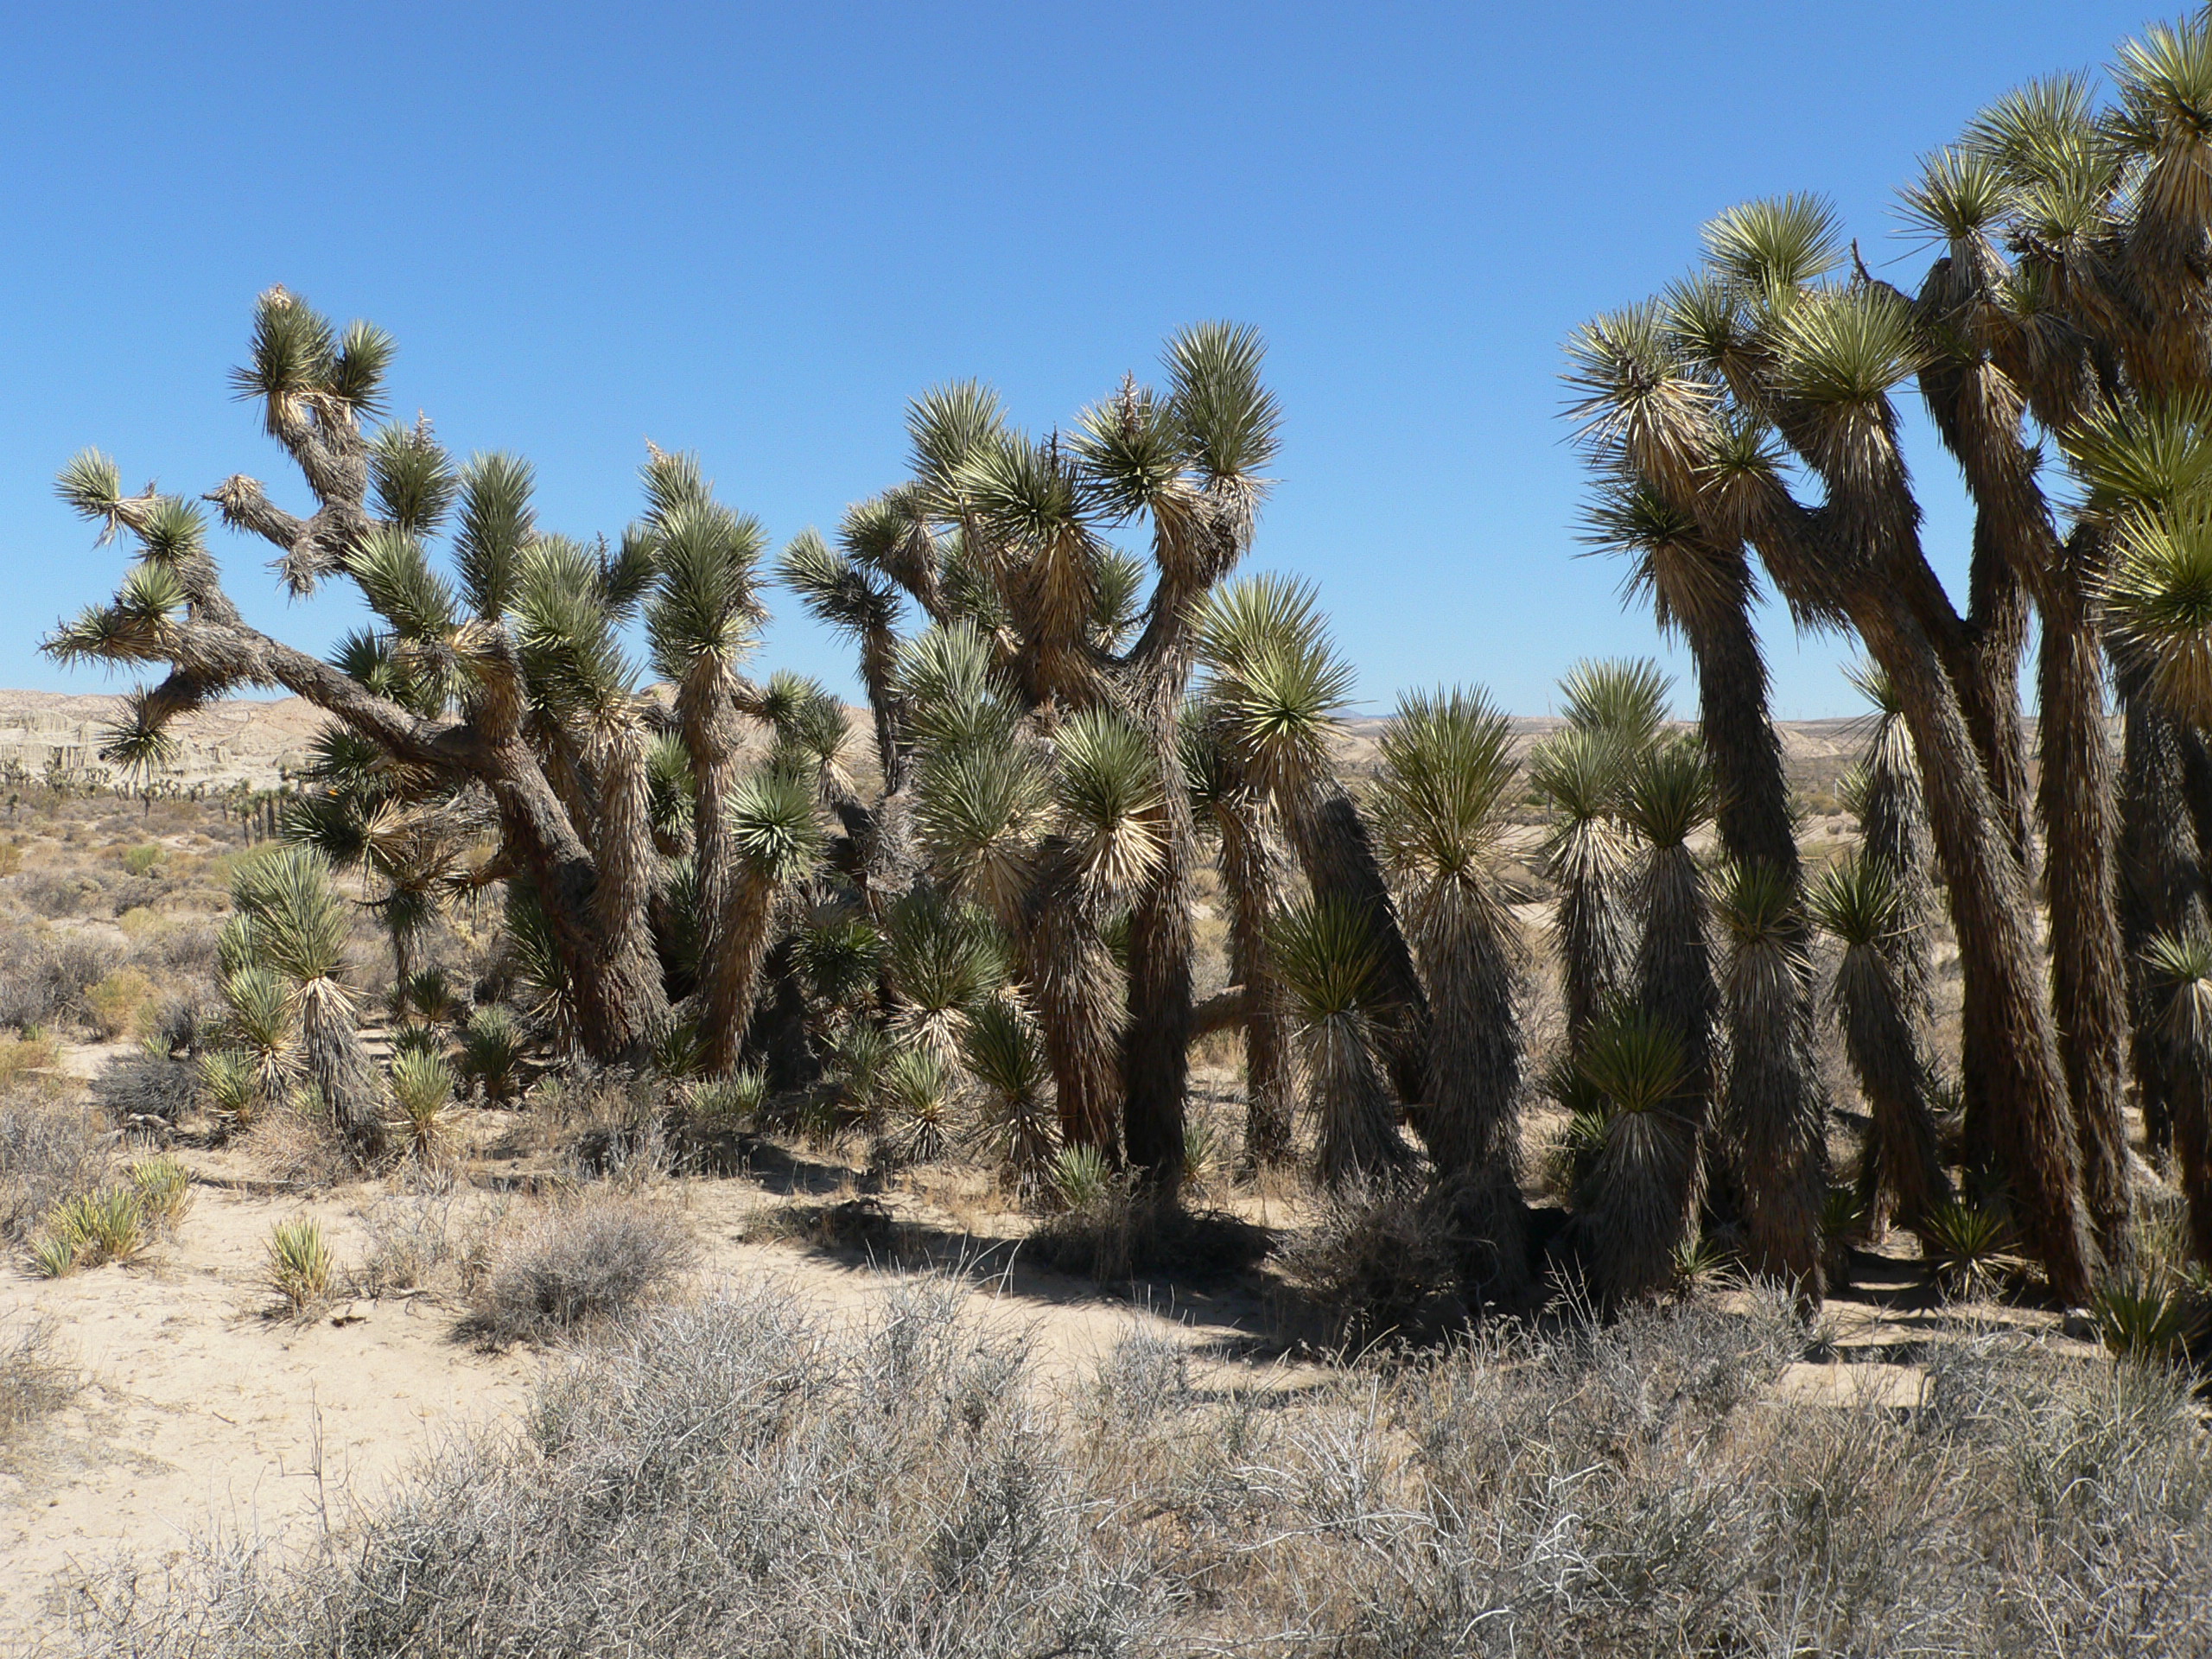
[[254, 741]]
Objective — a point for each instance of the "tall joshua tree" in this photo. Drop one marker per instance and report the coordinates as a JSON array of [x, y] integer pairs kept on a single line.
[[1696, 393], [1006, 535], [1444, 778], [505, 679], [1254, 879], [1274, 687]]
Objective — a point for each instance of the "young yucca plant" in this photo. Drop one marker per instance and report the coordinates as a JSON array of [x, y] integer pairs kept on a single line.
[[1328, 957], [259, 1024], [1971, 1249], [229, 1087], [1635, 1203], [422, 1087], [1843, 1224], [94, 1228], [859, 1057], [1006, 1061], [298, 924], [730, 1103], [918, 1104], [492, 1049], [945, 961], [1669, 797], [162, 1187], [1081, 1178], [298, 1263], [2141, 1318], [1624, 700], [1701, 1264]]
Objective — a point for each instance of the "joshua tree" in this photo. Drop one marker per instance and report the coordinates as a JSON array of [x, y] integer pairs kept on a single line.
[[1243, 822], [1636, 1202], [1860, 902], [1326, 950], [1885, 793], [1004, 537], [1446, 773], [506, 681]]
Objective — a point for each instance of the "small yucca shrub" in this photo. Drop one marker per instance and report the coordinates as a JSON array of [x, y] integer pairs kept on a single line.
[[163, 1189], [732, 1103], [298, 1263], [2139, 1317], [89, 1228], [422, 1087], [918, 1105], [492, 1049], [1971, 1250], [229, 1086], [1082, 1180]]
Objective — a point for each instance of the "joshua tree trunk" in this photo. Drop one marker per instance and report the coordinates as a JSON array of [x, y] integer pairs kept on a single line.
[[2162, 891], [1903, 1162], [1775, 1116], [1156, 1054], [1252, 883], [1080, 1005], [2030, 1120], [1471, 1120], [2089, 976]]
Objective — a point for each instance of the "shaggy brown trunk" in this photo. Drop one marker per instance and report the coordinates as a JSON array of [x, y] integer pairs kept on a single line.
[[621, 1004], [622, 898], [1156, 1054], [1081, 1003], [2089, 976], [1252, 883], [1776, 1117], [2161, 890], [706, 738], [2030, 1126], [1632, 1211], [1472, 1119], [1903, 1162], [1587, 867]]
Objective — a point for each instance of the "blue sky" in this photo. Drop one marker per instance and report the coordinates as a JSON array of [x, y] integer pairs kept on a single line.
[[757, 230]]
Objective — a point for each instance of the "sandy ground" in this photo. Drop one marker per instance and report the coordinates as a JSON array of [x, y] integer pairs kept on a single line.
[[206, 1413]]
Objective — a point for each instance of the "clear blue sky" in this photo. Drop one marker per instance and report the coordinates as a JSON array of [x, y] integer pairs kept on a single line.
[[756, 230]]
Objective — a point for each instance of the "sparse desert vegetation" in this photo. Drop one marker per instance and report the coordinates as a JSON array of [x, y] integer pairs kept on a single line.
[[1094, 1151]]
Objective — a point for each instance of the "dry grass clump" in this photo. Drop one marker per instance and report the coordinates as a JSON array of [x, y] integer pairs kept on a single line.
[[592, 1259], [35, 1376], [48, 1151], [732, 1479], [1375, 1263]]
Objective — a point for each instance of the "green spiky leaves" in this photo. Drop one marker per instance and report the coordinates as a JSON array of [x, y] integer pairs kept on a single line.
[[1857, 899], [2158, 603], [1328, 958], [1277, 684], [1446, 774], [1669, 792], [773, 828]]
